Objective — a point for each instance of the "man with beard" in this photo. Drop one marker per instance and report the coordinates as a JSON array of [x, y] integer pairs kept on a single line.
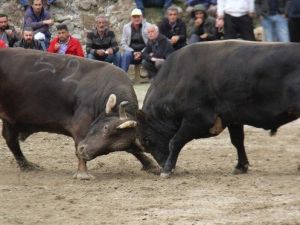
[[64, 43], [101, 43], [7, 33], [157, 50], [28, 41], [40, 20]]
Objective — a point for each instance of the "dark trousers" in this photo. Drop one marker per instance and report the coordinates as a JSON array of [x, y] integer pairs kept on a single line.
[[294, 29], [238, 27], [151, 68], [141, 4]]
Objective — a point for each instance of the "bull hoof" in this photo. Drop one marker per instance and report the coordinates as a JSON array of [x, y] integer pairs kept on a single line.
[[152, 169], [241, 169], [29, 166], [79, 175], [165, 175]]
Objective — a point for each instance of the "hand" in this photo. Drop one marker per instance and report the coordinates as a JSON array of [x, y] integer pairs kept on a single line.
[[198, 22], [174, 39], [56, 46], [204, 36], [109, 51], [100, 52], [137, 55], [48, 22], [251, 14], [9, 32]]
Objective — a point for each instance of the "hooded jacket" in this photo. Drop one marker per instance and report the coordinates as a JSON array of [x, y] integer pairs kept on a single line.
[[208, 25]]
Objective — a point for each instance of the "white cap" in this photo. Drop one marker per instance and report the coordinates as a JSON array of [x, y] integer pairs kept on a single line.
[[136, 12]]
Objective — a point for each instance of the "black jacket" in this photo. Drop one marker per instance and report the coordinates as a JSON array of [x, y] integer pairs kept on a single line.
[[293, 8], [180, 29], [262, 7], [160, 48], [34, 45], [95, 42]]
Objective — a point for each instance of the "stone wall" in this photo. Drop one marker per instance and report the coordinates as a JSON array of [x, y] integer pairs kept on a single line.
[[79, 15]]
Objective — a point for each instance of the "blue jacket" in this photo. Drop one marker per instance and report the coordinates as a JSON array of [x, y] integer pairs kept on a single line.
[[293, 8], [36, 22]]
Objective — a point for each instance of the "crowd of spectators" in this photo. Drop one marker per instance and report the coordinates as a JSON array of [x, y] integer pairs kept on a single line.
[[150, 44]]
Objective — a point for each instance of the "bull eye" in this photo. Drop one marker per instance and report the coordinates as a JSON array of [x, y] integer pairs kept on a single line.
[[105, 127]]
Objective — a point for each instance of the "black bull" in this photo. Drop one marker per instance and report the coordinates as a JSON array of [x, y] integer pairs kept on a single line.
[[204, 88], [71, 96]]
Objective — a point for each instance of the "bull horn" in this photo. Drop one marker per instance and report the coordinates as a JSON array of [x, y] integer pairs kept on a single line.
[[122, 113], [127, 124], [111, 103]]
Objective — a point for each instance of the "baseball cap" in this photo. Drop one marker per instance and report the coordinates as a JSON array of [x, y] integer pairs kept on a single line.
[[136, 12]]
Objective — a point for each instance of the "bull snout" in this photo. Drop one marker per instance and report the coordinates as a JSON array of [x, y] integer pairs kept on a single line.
[[82, 152]]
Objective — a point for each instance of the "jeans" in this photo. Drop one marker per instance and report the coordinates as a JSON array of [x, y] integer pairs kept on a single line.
[[275, 28], [26, 2], [127, 59], [140, 4], [115, 58]]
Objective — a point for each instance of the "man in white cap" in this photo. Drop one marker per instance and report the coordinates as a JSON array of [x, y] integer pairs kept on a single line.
[[134, 39]]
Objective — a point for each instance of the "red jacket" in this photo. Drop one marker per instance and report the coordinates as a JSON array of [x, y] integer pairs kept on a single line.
[[74, 47], [2, 44]]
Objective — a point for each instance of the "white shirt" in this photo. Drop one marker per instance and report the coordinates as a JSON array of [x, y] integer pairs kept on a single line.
[[235, 8]]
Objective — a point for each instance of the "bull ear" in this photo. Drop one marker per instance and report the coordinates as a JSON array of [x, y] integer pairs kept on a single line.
[[127, 124], [122, 113], [111, 103], [141, 116]]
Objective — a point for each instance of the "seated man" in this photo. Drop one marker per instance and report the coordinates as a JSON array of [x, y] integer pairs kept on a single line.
[[8, 33], [157, 50], [101, 43], [173, 28], [134, 39], [140, 4], [64, 43], [40, 20], [201, 26], [25, 3], [28, 41]]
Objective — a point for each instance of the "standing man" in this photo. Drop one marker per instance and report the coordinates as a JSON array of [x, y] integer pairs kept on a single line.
[[236, 17], [101, 43], [140, 4], [8, 33], [134, 39], [40, 20], [64, 43], [28, 41], [293, 7], [157, 50], [273, 19], [173, 28]]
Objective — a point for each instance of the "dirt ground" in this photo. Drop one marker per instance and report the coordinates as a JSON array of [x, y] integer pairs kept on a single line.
[[203, 189]]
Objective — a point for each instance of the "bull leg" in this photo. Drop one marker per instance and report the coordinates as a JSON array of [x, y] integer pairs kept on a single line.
[[10, 135], [148, 164], [183, 136], [82, 173], [237, 139]]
